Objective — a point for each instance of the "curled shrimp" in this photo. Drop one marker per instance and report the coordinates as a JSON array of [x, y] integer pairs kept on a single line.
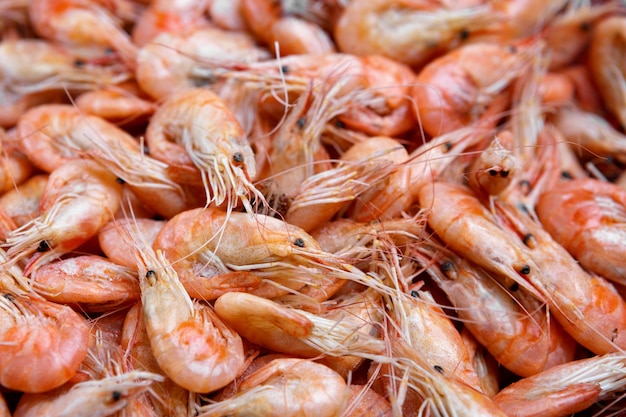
[[116, 248], [587, 217], [22, 202], [80, 197], [99, 397], [43, 343], [284, 387], [565, 389], [407, 31], [81, 22], [189, 341], [196, 129]]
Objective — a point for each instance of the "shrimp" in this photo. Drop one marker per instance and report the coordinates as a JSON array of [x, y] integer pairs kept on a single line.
[[189, 341], [91, 398], [196, 129], [82, 22], [512, 326], [606, 62], [565, 389], [89, 281], [285, 387], [494, 168], [407, 31], [594, 214], [112, 242], [43, 343], [365, 402], [80, 197], [173, 62], [454, 90], [22, 203], [15, 168], [226, 14], [51, 135], [290, 35]]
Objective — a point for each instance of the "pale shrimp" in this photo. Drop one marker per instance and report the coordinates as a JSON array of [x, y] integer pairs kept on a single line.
[[173, 62], [282, 33], [587, 217], [195, 129], [166, 16], [91, 282], [91, 398], [487, 367], [512, 326], [606, 62], [365, 402], [190, 343], [298, 332], [455, 89], [22, 203], [51, 135], [43, 343], [204, 247], [407, 31], [80, 197], [226, 14], [114, 245], [565, 389], [589, 133], [285, 387], [82, 22], [468, 228]]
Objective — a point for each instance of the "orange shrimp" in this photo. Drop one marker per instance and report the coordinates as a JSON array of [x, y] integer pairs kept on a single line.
[[593, 213], [269, 24], [22, 203], [285, 387], [43, 343], [565, 389], [82, 22], [195, 129], [116, 248], [512, 326], [410, 32], [226, 14], [365, 402], [487, 367], [606, 62], [80, 197], [454, 90], [91, 282], [51, 135], [189, 341]]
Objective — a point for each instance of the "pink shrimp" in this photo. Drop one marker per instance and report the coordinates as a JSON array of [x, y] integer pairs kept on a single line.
[[22, 203], [115, 246]]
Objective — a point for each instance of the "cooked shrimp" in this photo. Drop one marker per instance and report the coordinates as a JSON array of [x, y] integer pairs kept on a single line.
[[282, 33], [487, 367], [365, 402], [80, 197], [115, 246], [189, 341], [519, 19], [51, 135], [81, 23], [43, 343], [606, 62], [195, 129], [22, 203], [173, 62], [588, 218], [494, 168], [91, 398], [15, 168], [407, 31], [454, 90], [91, 282], [565, 389], [285, 387], [512, 326], [226, 14]]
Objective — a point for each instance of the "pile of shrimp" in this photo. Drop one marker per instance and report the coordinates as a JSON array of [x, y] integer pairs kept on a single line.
[[312, 208]]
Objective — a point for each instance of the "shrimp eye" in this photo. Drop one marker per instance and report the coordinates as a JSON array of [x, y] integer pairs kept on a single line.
[[284, 69], [512, 49], [116, 395], [514, 287], [464, 34], [415, 294], [447, 266], [9, 297], [447, 146], [43, 246], [524, 270], [238, 157], [300, 123], [438, 369], [120, 180], [299, 242], [493, 172], [504, 174], [79, 63], [527, 238], [585, 26], [566, 175], [340, 124], [150, 273]]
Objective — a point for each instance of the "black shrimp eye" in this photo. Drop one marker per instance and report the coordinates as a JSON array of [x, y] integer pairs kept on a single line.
[[299, 242], [527, 238], [284, 69], [493, 172], [116, 395], [340, 124], [120, 181], [9, 297], [415, 294], [79, 63], [447, 146], [238, 157], [504, 174], [438, 369], [447, 266], [300, 123], [43, 246], [524, 270], [150, 273], [464, 34], [514, 287]]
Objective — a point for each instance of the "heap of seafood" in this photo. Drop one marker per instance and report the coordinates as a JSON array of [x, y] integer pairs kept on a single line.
[[312, 208]]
